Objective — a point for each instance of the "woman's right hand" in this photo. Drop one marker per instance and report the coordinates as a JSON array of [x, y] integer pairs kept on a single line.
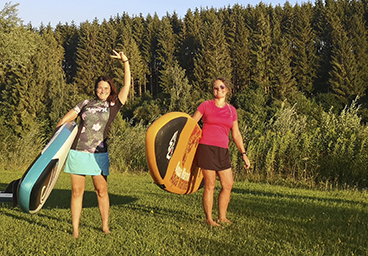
[[119, 55]]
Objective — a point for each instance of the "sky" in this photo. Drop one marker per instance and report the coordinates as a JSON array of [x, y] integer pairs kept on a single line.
[[65, 11]]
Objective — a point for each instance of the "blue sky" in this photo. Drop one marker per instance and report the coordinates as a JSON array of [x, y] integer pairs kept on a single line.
[[66, 11]]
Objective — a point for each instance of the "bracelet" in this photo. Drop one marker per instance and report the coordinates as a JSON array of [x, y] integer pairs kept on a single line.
[[244, 153], [124, 60]]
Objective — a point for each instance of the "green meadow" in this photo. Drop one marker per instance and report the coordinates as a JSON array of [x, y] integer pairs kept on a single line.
[[145, 220]]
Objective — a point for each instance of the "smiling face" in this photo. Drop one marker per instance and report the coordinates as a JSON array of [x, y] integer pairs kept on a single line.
[[219, 89], [103, 90]]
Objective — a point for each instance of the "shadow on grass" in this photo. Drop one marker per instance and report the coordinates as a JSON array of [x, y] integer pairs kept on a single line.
[[294, 197], [326, 210], [3, 186], [60, 198]]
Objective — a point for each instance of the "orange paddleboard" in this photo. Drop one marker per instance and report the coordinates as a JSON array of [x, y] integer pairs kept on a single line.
[[171, 144]]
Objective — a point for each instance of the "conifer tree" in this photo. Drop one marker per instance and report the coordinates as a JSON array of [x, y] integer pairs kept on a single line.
[[166, 52], [109, 34], [283, 83], [138, 35], [323, 45], [60, 96], [213, 59], [138, 30], [35, 93], [359, 37], [21, 100], [128, 45], [261, 49], [343, 75], [68, 36], [281, 79], [19, 111], [190, 42], [149, 53], [17, 44], [175, 22], [239, 48], [305, 60], [89, 57], [285, 13]]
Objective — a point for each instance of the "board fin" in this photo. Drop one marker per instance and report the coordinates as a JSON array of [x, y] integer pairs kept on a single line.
[[13, 188]]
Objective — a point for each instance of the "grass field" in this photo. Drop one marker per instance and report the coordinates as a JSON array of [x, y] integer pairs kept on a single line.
[[145, 220]]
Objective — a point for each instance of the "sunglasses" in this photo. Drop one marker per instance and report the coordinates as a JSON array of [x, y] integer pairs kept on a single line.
[[218, 88]]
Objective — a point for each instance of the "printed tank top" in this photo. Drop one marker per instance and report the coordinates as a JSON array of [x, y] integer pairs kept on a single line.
[[96, 118]]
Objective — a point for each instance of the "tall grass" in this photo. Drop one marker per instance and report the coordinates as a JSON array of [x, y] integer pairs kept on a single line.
[[333, 151], [145, 220]]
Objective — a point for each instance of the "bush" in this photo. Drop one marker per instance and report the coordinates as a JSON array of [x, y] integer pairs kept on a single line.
[[17, 153], [127, 146]]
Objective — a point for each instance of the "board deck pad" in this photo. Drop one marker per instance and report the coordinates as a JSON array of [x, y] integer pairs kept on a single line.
[[171, 144], [38, 181]]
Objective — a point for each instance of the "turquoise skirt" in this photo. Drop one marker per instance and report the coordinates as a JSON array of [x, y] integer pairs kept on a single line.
[[84, 163]]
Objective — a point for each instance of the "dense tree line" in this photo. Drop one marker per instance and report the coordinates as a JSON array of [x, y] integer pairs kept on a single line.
[[311, 58]]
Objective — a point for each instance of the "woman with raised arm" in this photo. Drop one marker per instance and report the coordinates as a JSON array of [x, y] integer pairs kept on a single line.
[[212, 154], [88, 155]]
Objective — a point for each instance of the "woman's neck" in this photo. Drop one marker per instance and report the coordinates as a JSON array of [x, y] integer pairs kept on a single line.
[[220, 102]]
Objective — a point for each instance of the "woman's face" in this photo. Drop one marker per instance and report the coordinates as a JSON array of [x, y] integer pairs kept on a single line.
[[103, 90], [219, 89]]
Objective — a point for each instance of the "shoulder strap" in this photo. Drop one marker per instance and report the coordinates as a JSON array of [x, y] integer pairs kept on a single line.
[[231, 113]]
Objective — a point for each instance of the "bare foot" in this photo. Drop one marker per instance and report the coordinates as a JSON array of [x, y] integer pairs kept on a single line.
[[212, 223], [106, 231], [224, 221], [75, 234]]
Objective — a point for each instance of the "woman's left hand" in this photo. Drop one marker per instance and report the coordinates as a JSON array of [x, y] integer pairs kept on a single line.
[[246, 161], [119, 55]]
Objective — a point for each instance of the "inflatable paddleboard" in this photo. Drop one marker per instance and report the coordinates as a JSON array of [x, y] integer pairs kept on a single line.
[[171, 144], [38, 181]]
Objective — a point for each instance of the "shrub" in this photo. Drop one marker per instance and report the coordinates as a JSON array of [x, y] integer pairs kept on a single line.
[[127, 146]]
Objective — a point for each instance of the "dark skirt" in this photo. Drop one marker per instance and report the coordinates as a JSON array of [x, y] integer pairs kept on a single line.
[[212, 158]]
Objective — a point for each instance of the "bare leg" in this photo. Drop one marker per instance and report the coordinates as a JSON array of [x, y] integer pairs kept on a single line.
[[100, 184], [226, 179], [78, 182], [209, 188]]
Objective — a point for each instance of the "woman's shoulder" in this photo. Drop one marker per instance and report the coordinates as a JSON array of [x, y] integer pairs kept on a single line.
[[231, 106], [93, 103], [205, 104], [208, 102]]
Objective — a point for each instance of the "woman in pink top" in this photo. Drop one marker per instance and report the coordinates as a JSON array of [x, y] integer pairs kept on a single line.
[[213, 155]]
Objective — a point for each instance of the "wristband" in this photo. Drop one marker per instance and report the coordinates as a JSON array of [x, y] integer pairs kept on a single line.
[[244, 153], [124, 61]]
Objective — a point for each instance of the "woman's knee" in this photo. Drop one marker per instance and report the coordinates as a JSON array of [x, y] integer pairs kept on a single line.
[[101, 192], [100, 185], [226, 179], [77, 192]]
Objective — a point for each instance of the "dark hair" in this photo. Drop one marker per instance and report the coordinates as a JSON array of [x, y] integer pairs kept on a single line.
[[225, 81], [222, 79], [114, 90]]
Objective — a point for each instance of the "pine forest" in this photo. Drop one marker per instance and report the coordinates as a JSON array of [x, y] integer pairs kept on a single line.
[[299, 78]]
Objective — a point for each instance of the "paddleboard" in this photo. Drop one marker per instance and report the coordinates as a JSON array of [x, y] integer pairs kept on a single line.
[[171, 144], [38, 181]]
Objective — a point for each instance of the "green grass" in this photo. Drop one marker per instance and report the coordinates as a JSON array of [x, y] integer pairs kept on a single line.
[[145, 220]]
